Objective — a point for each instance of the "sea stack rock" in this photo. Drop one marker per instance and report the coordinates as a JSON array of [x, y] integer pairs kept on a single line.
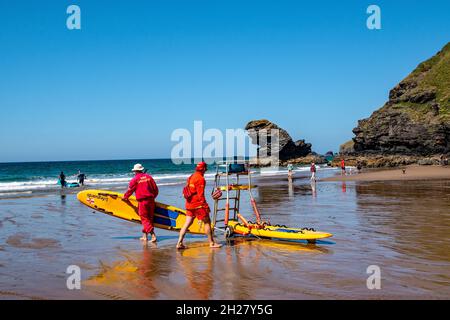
[[416, 118], [288, 149]]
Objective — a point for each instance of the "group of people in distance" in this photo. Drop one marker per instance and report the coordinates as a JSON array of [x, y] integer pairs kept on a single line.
[[80, 177], [312, 169], [146, 190]]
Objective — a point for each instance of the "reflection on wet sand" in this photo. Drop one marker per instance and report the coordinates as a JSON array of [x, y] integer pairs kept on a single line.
[[291, 189], [314, 189], [275, 191], [138, 276], [412, 220], [197, 262], [22, 240], [199, 272], [63, 198], [151, 274], [409, 213]]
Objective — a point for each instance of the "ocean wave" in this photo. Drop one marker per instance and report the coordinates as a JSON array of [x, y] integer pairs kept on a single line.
[[95, 180], [123, 179], [27, 185]]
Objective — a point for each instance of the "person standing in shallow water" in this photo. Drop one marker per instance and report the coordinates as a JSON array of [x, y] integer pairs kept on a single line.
[[81, 176], [146, 191], [62, 179], [197, 207], [343, 167], [359, 167], [313, 172], [290, 168]]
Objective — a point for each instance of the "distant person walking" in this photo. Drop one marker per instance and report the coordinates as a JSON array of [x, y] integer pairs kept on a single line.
[[359, 167], [196, 205], [81, 176], [146, 191], [290, 168], [313, 170], [343, 167], [62, 179]]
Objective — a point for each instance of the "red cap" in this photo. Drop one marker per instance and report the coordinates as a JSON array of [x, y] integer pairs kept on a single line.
[[201, 166]]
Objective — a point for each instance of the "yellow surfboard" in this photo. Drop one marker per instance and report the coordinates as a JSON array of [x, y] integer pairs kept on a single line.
[[237, 187], [112, 203], [278, 232]]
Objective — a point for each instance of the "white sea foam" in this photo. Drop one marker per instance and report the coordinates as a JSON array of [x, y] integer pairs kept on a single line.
[[27, 185], [106, 180], [123, 179]]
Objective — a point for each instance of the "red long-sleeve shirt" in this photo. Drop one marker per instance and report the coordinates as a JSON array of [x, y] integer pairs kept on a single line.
[[197, 185], [144, 186]]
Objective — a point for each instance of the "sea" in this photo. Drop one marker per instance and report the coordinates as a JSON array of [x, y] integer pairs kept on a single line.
[[31, 178]]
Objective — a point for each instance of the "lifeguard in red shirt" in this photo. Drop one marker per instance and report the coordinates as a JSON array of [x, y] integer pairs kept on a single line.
[[146, 191], [196, 206]]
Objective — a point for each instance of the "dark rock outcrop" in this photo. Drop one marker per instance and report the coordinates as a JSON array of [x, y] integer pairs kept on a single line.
[[416, 119], [306, 160], [347, 147], [383, 161], [287, 149]]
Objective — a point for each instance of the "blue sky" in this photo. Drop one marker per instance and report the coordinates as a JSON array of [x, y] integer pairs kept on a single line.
[[137, 70]]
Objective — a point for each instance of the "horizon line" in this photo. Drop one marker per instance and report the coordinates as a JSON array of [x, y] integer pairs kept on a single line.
[[88, 160]]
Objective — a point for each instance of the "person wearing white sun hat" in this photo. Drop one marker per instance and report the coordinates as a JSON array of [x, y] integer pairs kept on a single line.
[[146, 191]]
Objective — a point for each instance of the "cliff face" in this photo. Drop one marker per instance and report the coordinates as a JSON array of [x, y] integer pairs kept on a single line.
[[288, 149], [416, 119]]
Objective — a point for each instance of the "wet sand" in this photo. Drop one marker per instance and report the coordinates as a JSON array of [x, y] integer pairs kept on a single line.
[[403, 227], [404, 173]]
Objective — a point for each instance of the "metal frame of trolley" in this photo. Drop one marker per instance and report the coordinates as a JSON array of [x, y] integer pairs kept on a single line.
[[228, 179], [230, 182]]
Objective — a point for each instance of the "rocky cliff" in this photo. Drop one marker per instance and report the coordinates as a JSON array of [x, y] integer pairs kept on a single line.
[[416, 118], [287, 148]]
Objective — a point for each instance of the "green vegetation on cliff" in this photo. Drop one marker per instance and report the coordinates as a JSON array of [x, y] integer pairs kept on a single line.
[[416, 119], [432, 77]]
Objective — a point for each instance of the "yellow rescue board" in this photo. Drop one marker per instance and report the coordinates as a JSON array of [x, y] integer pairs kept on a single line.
[[237, 187], [111, 203], [277, 232]]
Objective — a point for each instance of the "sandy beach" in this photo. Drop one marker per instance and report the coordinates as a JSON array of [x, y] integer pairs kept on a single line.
[[414, 172], [400, 226]]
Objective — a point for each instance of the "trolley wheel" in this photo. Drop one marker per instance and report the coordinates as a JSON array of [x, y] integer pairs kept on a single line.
[[229, 231]]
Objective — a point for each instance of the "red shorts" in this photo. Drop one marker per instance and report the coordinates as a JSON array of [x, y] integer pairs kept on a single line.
[[201, 214]]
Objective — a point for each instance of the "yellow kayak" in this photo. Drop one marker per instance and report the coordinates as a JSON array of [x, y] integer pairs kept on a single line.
[[111, 203], [237, 187], [278, 232]]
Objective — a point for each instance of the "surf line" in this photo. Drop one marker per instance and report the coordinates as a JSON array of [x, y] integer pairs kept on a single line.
[[186, 310]]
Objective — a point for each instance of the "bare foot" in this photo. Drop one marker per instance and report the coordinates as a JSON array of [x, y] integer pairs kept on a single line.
[[154, 239], [143, 239], [215, 245], [180, 246]]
